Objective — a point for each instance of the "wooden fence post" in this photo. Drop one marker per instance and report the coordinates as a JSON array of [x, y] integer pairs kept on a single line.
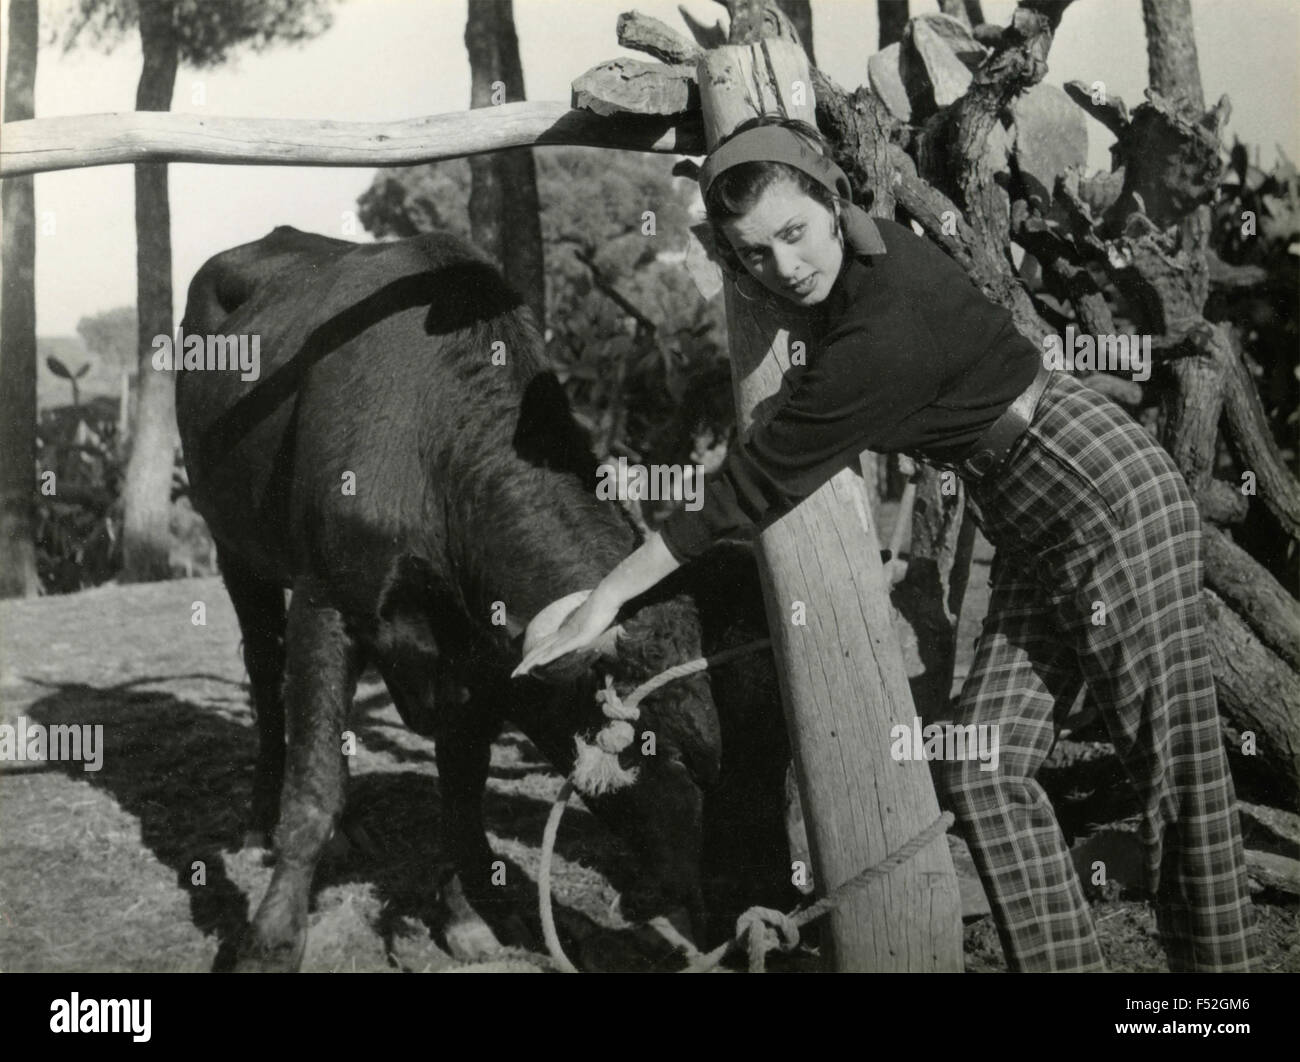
[[842, 677]]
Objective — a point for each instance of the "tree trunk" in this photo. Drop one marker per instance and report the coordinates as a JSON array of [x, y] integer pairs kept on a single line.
[[1256, 697], [1172, 65], [955, 9], [799, 12], [147, 493], [747, 18], [124, 409], [1155, 253], [503, 208], [1190, 408], [1192, 404], [892, 16], [1252, 442], [1170, 147], [1250, 590], [18, 327], [841, 673]]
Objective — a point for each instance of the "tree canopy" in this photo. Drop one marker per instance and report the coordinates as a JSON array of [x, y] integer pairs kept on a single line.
[[205, 32], [112, 336], [628, 331]]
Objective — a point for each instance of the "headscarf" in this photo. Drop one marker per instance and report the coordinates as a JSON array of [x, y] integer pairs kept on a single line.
[[775, 143]]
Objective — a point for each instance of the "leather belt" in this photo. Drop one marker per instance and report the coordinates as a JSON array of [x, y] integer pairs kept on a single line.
[[991, 449]]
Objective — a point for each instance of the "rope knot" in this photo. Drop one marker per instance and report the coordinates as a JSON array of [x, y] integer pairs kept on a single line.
[[613, 706], [762, 930], [596, 769], [615, 736]]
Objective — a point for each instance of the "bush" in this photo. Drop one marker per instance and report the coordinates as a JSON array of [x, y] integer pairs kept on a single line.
[[78, 504]]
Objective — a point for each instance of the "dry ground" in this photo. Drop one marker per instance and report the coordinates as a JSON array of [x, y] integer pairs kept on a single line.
[[98, 870]]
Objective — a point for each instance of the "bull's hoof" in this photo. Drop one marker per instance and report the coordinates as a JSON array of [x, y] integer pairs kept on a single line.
[[260, 845], [260, 957], [468, 937]]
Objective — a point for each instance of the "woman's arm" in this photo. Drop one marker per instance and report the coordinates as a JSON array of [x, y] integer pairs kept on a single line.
[[637, 573]]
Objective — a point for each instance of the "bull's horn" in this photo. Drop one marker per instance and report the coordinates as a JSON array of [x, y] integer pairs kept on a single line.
[[607, 644]]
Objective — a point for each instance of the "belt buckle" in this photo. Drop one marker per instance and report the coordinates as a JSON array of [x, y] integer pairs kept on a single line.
[[982, 463]]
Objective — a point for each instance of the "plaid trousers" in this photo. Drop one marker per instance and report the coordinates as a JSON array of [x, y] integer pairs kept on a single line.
[[1097, 580]]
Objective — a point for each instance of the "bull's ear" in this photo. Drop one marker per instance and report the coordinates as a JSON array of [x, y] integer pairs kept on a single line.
[[547, 434]]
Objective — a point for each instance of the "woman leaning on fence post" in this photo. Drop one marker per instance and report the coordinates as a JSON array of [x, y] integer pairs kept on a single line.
[[1097, 575]]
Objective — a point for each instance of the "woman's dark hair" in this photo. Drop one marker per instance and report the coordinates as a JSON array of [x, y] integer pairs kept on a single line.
[[737, 189]]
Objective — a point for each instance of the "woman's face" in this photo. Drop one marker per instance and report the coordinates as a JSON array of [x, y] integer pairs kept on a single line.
[[787, 241]]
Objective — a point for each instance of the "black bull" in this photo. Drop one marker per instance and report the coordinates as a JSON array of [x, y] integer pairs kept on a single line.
[[408, 469]]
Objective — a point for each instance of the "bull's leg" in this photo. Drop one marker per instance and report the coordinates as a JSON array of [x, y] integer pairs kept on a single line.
[[259, 605], [463, 732], [463, 737], [323, 663]]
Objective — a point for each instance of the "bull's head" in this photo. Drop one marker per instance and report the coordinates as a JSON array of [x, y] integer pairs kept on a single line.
[[645, 776]]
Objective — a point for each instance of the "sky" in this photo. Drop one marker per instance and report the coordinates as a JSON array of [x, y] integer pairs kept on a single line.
[[394, 59]]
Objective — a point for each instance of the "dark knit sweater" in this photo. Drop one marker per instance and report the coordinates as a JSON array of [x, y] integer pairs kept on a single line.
[[907, 355]]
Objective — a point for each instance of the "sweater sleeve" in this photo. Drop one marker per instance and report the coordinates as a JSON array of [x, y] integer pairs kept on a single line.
[[852, 395]]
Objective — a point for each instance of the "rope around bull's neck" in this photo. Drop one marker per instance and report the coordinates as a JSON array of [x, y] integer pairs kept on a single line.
[[760, 928], [619, 712]]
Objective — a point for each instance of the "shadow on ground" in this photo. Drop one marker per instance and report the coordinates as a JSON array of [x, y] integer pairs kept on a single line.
[[184, 772]]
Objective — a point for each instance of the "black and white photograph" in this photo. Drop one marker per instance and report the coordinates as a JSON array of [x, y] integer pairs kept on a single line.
[[582, 486]]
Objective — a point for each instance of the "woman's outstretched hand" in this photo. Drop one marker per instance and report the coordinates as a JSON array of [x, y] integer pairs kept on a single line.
[[635, 574], [583, 626]]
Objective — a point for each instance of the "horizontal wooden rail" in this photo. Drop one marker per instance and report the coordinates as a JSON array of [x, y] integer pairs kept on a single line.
[[43, 144]]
